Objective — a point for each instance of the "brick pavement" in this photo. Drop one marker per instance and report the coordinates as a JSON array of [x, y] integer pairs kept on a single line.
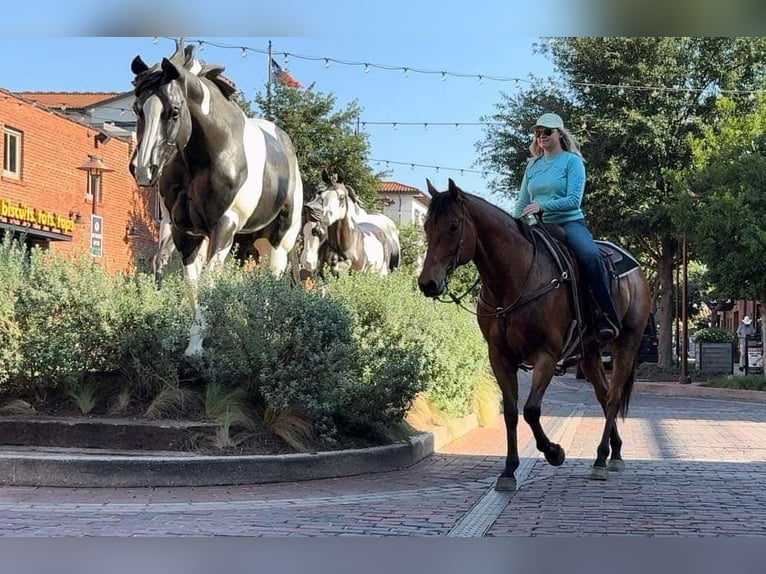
[[695, 468]]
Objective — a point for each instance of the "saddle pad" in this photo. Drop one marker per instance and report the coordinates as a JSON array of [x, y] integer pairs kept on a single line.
[[623, 261]]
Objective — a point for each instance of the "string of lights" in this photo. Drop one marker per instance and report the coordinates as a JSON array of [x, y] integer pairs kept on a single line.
[[438, 168], [481, 78]]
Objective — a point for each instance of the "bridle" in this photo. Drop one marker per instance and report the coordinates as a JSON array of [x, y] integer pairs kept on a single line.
[[520, 299]]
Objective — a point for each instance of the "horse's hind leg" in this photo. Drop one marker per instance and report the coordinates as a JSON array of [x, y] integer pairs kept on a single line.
[[620, 387], [593, 369], [544, 368]]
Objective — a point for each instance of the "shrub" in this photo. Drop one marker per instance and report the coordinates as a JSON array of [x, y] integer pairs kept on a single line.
[[290, 348], [411, 344], [713, 335]]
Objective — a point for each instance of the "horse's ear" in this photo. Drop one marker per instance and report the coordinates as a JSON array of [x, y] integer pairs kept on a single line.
[[138, 65], [326, 176], [170, 69], [454, 190], [432, 191]]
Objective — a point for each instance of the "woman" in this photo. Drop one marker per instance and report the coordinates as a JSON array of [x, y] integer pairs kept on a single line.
[[553, 184]]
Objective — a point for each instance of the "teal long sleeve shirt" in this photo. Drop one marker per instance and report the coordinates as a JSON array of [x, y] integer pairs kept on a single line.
[[556, 185]]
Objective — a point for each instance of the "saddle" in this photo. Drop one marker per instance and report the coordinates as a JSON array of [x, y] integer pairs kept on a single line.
[[617, 261]]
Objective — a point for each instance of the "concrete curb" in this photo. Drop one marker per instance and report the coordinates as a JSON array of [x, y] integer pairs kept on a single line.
[[121, 471], [696, 390]]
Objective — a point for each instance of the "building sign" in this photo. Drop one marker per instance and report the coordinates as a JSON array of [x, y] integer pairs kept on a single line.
[[36, 216], [96, 235]]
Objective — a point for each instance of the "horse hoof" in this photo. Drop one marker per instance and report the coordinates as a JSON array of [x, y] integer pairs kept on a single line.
[[598, 473], [616, 465], [505, 483], [555, 455]]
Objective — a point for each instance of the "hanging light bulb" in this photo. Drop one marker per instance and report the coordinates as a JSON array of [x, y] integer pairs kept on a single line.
[[286, 58], [155, 39], [244, 52], [425, 127], [327, 62], [394, 125], [366, 68], [201, 45], [457, 126], [406, 72], [586, 89], [481, 79], [444, 76]]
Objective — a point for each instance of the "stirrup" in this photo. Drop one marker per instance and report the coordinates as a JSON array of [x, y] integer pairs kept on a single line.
[[606, 330]]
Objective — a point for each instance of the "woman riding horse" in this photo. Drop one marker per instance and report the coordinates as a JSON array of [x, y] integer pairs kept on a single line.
[[525, 317]]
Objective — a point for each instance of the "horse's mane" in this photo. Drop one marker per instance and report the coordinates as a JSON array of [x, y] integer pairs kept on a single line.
[[313, 210], [442, 201], [184, 57]]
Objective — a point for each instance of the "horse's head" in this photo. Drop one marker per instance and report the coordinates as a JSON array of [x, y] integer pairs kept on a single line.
[[164, 121], [313, 236], [450, 236], [335, 203]]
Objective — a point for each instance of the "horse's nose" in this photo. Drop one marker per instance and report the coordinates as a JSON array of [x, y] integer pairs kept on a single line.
[[430, 288]]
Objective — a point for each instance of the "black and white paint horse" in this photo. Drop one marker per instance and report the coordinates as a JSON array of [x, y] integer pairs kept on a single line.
[[368, 241], [220, 174]]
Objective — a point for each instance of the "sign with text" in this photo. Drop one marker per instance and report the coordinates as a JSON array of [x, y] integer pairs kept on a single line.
[[96, 235]]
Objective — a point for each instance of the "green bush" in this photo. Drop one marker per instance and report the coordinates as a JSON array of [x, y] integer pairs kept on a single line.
[[291, 349], [713, 335], [411, 339], [13, 269]]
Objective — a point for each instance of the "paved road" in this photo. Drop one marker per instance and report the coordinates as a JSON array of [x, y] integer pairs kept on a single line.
[[695, 467]]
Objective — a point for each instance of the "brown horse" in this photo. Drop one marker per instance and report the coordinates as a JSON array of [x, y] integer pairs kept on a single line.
[[521, 328]]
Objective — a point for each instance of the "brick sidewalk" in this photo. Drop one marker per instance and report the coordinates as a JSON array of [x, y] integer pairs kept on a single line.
[[695, 468]]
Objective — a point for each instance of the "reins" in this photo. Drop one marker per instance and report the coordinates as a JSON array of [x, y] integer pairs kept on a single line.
[[520, 300]]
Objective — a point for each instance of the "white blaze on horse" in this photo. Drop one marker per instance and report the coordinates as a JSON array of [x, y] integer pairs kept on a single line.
[[368, 241], [220, 174]]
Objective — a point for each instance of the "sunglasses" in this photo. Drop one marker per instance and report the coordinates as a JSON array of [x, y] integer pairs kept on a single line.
[[543, 132]]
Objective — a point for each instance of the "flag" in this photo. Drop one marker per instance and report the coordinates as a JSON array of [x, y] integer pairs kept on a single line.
[[279, 74]]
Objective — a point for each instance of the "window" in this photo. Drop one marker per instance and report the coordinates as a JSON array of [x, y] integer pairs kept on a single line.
[[12, 153]]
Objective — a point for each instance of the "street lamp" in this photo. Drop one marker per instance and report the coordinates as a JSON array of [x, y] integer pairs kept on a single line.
[[94, 167], [684, 377]]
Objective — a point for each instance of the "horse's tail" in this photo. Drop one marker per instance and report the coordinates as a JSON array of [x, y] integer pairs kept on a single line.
[[393, 253], [627, 389]]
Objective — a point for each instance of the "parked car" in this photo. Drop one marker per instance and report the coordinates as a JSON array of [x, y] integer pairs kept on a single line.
[[647, 352]]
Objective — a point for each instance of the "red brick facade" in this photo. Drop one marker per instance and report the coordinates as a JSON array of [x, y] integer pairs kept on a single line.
[[51, 187]]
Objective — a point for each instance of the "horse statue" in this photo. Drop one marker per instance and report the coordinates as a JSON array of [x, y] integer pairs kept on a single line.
[[220, 173], [368, 241], [317, 253], [525, 317]]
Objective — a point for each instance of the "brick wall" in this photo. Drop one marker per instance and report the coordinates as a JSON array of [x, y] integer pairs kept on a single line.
[[53, 147]]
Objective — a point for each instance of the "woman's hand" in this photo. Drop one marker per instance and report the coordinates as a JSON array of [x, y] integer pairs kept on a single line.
[[533, 207]]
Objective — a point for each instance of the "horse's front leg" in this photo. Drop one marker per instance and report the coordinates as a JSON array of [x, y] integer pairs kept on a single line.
[[506, 375], [194, 254], [544, 369]]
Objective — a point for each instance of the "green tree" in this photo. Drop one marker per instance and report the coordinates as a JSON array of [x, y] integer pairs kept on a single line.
[[324, 138], [728, 175], [635, 104]]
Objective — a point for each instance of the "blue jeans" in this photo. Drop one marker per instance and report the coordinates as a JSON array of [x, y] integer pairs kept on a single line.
[[580, 241]]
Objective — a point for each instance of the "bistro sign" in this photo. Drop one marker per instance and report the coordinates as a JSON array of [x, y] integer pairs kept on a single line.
[[35, 216]]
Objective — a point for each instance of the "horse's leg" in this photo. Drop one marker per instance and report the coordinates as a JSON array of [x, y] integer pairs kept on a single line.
[[593, 369], [506, 375], [544, 369], [194, 254]]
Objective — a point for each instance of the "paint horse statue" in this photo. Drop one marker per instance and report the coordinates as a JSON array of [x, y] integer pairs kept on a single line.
[[220, 174], [525, 317], [368, 241], [317, 253]]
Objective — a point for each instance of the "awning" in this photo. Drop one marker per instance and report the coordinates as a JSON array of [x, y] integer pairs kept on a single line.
[[34, 232]]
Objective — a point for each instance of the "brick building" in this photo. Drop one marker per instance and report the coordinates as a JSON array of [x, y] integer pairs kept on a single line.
[[66, 185]]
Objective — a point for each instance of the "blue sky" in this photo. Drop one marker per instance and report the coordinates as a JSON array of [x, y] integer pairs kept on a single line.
[[103, 64]]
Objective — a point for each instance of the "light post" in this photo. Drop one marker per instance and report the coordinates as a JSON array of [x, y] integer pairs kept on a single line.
[[684, 377]]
